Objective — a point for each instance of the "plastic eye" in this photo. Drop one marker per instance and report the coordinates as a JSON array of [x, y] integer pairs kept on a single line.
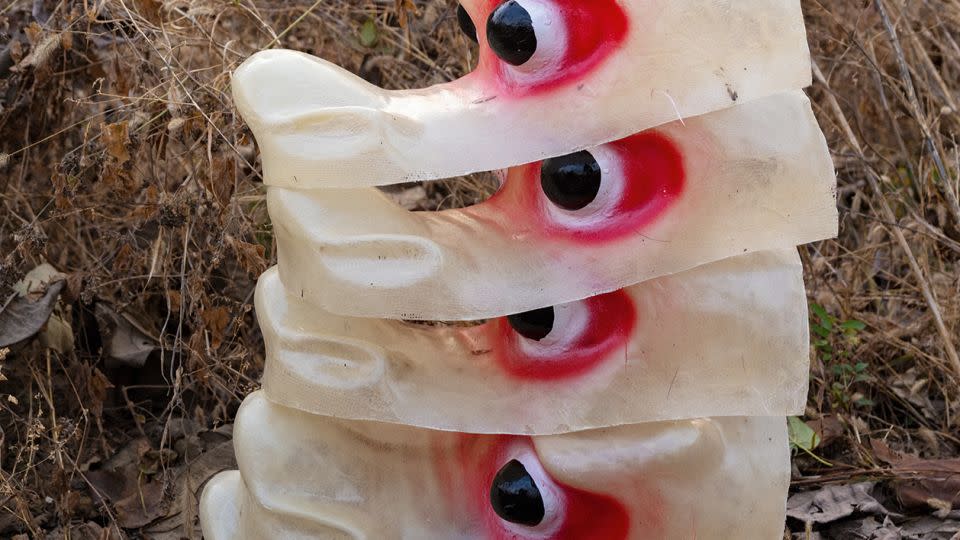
[[466, 23], [612, 190], [511, 34], [572, 181], [515, 496], [566, 340], [585, 189], [535, 325], [538, 45]]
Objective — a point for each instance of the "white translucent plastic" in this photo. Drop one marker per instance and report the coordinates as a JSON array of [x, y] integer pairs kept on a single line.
[[725, 339], [757, 177], [319, 125], [307, 476]]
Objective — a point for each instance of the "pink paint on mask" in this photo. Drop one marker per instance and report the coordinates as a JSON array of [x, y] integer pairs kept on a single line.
[[583, 515], [610, 323], [653, 176]]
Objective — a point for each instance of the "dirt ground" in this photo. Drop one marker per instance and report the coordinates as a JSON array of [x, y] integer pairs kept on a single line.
[[130, 192]]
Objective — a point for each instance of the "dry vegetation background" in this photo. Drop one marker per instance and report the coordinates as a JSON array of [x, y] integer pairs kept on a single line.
[[125, 167]]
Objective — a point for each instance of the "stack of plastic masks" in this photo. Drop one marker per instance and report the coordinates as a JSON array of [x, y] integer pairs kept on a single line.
[[645, 318]]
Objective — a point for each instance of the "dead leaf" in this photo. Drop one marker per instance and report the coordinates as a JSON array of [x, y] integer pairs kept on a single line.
[[164, 505], [911, 387], [125, 342], [175, 300], [117, 477], [223, 179], [828, 428], [181, 520], [832, 503], [98, 384], [40, 53], [143, 506], [58, 335], [250, 256], [216, 320], [866, 528], [84, 531], [150, 9], [933, 484], [21, 317], [930, 528], [403, 7], [922, 483], [116, 138], [34, 284]]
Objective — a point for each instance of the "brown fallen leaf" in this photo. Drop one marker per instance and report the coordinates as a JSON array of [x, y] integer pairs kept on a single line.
[[85, 531], [116, 138], [142, 507], [181, 520], [922, 483], [216, 320], [250, 256], [828, 428], [40, 53], [25, 312], [125, 342], [163, 505], [834, 502]]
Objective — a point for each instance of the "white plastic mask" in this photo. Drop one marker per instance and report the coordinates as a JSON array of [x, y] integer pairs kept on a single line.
[[308, 476], [600, 70], [753, 177], [680, 346]]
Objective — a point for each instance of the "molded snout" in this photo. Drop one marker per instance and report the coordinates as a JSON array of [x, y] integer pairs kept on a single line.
[[303, 110], [381, 261], [335, 362], [276, 84]]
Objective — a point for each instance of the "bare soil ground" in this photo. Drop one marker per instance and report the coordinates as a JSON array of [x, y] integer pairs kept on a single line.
[[125, 167]]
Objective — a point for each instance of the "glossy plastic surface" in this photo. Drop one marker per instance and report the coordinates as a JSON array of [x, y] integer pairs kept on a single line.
[[603, 70], [729, 338], [755, 177], [307, 476]]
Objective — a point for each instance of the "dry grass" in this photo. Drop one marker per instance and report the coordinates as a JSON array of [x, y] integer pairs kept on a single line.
[[123, 164]]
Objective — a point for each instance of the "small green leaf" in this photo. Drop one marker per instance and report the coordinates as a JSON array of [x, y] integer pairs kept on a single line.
[[853, 325], [369, 35], [825, 319], [821, 331], [802, 436]]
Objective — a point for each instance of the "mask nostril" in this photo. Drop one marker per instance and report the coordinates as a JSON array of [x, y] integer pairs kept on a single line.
[[510, 33]]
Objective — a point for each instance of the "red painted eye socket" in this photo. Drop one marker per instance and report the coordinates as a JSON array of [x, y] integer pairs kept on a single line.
[[531, 46], [569, 513], [565, 341], [595, 196]]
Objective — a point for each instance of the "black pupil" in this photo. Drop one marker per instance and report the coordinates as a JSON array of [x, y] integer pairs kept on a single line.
[[510, 33], [466, 23], [572, 181], [534, 325], [515, 496]]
